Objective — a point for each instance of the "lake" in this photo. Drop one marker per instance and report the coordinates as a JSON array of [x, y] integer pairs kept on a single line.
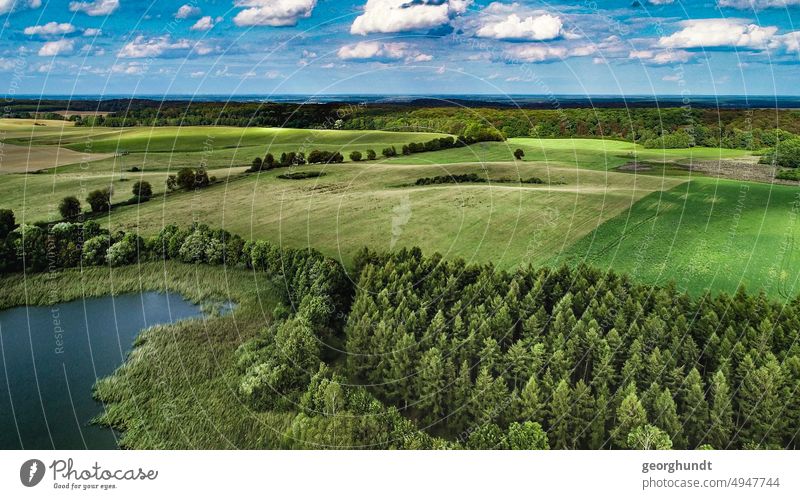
[[51, 357]]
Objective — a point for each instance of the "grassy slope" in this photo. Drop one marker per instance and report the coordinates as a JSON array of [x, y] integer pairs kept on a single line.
[[376, 205], [177, 388], [705, 234]]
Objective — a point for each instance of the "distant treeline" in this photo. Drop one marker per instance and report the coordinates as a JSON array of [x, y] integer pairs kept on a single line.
[[738, 129], [750, 129]]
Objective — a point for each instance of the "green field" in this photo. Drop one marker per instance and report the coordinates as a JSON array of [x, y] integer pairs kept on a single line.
[[704, 234], [593, 154]]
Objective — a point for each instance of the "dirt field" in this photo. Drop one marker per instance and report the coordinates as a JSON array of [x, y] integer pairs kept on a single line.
[[21, 159]]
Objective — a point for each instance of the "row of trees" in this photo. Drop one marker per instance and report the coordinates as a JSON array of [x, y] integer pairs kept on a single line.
[[590, 356], [292, 158], [100, 200], [189, 179]]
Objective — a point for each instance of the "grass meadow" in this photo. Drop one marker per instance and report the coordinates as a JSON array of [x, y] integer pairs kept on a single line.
[[705, 234]]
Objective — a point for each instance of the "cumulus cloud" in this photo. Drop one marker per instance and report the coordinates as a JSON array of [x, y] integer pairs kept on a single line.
[[757, 4], [708, 33], [95, 8], [7, 6], [378, 51], [50, 29], [395, 16], [205, 23], [92, 32], [533, 28], [272, 12], [661, 57], [60, 47], [162, 46], [547, 53], [186, 11], [790, 42]]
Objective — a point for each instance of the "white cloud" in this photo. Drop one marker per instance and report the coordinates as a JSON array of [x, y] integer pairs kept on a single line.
[[272, 12], [92, 32], [671, 78], [7, 6], [719, 33], [662, 57], [60, 47], [377, 51], [95, 8], [660, 2], [790, 42], [45, 68], [130, 68], [50, 29], [395, 16], [162, 46], [205, 23], [757, 4], [546, 53], [534, 28], [198, 74], [186, 11]]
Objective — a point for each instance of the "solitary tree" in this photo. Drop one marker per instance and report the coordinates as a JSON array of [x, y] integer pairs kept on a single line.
[[355, 156], [100, 200], [142, 191], [69, 207], [371, 155], [519, 154]]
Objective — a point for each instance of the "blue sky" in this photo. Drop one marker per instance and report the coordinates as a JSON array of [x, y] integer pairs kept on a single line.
[[399, 47]]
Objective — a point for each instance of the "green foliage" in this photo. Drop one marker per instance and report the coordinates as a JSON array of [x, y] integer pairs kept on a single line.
[[7, 223], [786, 153], [355, 156], [519, 154], [526, 436], [326, 157], [125, 251], [192, 178], [100, 200], [679, 139], [142, 191], [371, 155], [94, 250], [69, 207], [648, 437]]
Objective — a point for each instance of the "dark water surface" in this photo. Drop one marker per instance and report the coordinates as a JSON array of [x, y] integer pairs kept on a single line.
[[50, 357]]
